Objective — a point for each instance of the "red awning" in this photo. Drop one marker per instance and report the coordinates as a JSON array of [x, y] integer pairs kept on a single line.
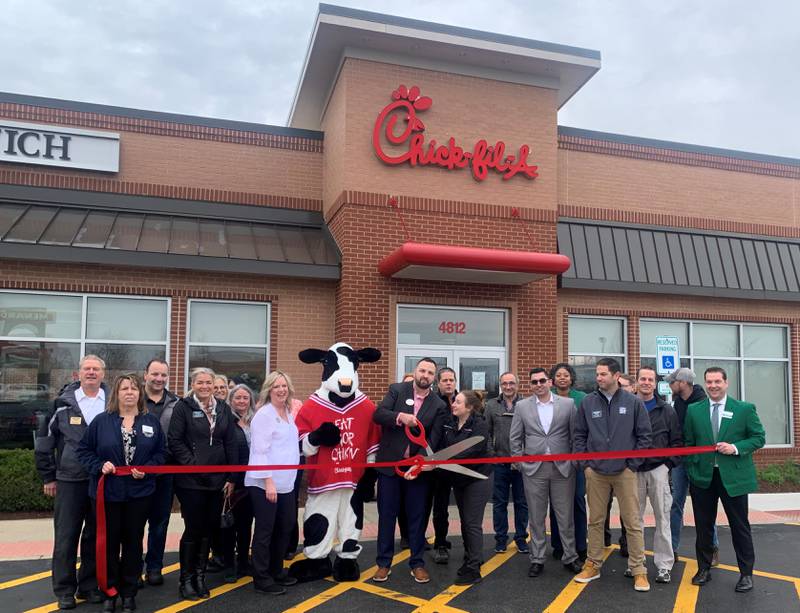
[[470, 264]]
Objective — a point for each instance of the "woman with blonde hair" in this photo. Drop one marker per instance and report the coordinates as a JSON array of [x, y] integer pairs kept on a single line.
[[125, 435], [201, 432], [235, 541], [274, 440]]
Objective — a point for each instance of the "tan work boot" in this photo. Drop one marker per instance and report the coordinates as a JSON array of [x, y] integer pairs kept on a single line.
[[589, 573], [382, 574], [640, 583]]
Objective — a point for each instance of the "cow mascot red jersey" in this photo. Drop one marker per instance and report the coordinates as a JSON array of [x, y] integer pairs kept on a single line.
[[336, 429]]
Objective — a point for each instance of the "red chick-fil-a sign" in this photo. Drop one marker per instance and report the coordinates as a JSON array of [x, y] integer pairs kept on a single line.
[[481, 159]]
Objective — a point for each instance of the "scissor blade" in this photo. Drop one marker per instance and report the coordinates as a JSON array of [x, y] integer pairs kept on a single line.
[[457, 468], [453, 450]]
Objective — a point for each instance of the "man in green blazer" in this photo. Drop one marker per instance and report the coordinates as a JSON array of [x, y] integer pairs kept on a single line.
[[728, 474]]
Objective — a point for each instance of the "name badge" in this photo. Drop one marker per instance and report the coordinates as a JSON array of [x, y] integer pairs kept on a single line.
[[596, 414], [727, 414], [409, 402], [147, 431], [75, 421], [197, 414], [623, 410]]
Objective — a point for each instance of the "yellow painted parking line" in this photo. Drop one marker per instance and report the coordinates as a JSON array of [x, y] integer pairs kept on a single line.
[[570, 593], [439, 602], [217, 591], [340, 588], [372, 588], [53, 606], [797, 588], [686, 599], [23, 580]]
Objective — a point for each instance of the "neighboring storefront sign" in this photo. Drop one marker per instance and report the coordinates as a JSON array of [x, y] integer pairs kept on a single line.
[[27, 143], [482, 157]]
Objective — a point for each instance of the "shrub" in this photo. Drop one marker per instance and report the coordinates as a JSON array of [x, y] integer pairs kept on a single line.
[[20, 485], [780, 474]]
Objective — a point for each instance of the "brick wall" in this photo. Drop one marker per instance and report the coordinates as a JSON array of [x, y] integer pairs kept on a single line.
[[466, 108], [302, 310], [366, 301]]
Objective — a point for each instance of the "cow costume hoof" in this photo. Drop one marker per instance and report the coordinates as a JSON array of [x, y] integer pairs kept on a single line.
[[311, 570], [345, 569]]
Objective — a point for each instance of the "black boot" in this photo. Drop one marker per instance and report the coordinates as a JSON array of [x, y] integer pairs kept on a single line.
[[128, 604], [110, 604], [188, 559], [202, 563]]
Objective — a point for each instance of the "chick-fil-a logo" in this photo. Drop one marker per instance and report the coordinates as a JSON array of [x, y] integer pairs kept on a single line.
[[483, 157]]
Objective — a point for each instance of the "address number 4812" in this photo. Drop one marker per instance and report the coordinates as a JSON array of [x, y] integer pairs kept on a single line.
[[453, 327]]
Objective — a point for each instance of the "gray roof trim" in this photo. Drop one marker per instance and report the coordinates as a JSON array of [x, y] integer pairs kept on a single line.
[[594, 222], [618, 257], [403, 22], [149, 204], [102, 256], [119, 111], [675, 146], [685, 290]]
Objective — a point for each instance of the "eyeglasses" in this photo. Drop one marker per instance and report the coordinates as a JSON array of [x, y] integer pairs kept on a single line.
[[539, 381]]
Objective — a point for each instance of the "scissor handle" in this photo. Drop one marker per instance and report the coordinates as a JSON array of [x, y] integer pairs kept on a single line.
[[417, 439], [415, 469]]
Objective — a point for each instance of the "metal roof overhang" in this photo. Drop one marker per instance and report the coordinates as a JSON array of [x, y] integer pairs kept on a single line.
[[678, 261], [470, 264], [99, 228]]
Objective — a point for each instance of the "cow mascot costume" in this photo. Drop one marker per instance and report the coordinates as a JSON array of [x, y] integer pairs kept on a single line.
[[336, 429]]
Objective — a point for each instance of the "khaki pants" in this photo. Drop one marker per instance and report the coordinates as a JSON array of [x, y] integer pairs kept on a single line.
[[626, 488]]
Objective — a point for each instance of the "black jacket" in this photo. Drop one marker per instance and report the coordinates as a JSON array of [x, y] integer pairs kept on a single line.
[[619, 425], [244, 453], [163, 412], [698, 394], [191, 444], [56, 447], [667, 432], [499, 419], [103, 443], [394, 441], [476, 425]]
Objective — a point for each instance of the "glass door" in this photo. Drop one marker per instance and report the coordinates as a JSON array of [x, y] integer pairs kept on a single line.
[[407, 359]]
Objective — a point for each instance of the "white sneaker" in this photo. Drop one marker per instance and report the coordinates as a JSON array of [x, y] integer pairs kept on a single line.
[[663, 576]]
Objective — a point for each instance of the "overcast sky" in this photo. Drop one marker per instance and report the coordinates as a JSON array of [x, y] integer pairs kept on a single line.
[[709, 72]]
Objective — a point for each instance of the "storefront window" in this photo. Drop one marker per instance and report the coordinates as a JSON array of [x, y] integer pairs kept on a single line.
[[231, 338], [758, 373], [592, 338], [43, 336]]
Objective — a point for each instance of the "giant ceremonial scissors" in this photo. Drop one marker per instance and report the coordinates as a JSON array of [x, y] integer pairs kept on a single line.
[[444, 454]]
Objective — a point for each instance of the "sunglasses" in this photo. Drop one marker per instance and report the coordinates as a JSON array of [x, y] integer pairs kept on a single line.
[[539, 381]]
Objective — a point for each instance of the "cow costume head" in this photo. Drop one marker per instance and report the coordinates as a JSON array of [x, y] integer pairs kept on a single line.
[[340, 365]]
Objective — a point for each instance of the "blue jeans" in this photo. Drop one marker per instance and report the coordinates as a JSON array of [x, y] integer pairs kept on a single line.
[[504, 479], [680, 487], [392, 492], [581, 520], [158, 523]]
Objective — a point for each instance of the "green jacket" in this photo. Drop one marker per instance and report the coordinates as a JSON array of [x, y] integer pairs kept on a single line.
[[743, 429], [576, 395]]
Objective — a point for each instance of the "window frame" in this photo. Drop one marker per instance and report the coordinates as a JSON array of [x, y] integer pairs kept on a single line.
[[740, 359], [83, 340], [188, 343]]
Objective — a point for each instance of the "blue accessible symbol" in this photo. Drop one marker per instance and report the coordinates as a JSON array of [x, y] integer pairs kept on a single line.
[[667, 363]]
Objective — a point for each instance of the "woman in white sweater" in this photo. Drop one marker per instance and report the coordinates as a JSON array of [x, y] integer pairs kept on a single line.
[[273, 440]]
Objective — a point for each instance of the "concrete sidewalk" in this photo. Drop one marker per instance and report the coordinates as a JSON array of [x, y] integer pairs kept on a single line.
[[26, 539]]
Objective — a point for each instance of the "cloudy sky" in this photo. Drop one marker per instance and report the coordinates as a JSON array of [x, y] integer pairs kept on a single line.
[[710, 72]]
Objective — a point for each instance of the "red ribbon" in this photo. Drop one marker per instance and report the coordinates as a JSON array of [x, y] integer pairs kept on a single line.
[[124, 471]]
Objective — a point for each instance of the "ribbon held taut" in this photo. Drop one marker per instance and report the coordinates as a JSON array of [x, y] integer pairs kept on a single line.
[[124, 471]]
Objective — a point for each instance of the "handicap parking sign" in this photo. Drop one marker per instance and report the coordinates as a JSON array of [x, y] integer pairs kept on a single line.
[[667, 354]]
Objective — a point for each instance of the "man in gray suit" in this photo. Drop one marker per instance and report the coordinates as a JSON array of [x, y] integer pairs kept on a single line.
[[542, 424]]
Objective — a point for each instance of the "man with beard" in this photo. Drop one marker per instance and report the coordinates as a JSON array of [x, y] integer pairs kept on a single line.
[[405, 404]]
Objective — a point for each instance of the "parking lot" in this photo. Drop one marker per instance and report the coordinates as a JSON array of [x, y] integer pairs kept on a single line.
[[25, 585]]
